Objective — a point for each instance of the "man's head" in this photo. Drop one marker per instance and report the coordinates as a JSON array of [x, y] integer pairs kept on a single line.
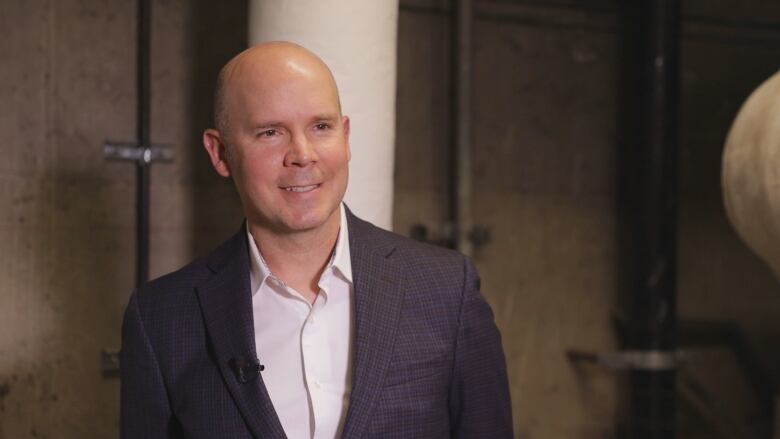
[[281, 136]]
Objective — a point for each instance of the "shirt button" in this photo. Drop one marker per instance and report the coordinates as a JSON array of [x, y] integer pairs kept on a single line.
[[317, 385]]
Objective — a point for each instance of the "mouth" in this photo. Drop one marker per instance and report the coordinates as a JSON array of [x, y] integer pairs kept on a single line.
[[308, 188]]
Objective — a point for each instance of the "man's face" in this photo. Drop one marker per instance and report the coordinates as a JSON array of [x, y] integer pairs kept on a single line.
[[287, 148]]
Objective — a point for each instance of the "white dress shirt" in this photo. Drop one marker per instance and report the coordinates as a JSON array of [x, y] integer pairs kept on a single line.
[[306, 348]]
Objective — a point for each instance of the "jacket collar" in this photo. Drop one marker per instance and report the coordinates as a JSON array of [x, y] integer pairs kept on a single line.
[[226, 303], [378, 298]]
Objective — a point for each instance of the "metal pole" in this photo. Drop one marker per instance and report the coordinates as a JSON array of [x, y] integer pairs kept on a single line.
[[654, 306], [142, 153], [463, 103], [143, 141]]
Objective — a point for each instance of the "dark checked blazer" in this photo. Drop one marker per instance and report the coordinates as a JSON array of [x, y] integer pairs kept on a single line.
[[427, 358]]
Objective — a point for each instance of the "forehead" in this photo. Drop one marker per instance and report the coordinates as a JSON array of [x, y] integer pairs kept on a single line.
[[287, 86]]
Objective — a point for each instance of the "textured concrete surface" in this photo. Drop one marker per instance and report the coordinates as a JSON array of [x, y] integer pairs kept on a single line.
[[66, 222], [720, 279], [545, 169], [65, 225]]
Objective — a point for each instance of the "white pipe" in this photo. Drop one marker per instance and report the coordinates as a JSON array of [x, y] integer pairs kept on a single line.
[[357, 39]]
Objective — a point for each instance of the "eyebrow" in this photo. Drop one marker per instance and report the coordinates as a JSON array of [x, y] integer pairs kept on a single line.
[[277, 124], [266, 125], [326, 116]]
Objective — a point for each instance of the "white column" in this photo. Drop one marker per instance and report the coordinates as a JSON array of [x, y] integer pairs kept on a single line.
[[357, 39], [751, 172]]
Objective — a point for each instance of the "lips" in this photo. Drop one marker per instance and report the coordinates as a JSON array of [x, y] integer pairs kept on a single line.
[[307, 188]]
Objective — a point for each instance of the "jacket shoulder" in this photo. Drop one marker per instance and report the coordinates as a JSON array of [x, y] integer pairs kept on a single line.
[[421, 260], [179, 285]]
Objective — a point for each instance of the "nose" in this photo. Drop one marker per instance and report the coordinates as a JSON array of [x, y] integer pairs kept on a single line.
[[301, 152]]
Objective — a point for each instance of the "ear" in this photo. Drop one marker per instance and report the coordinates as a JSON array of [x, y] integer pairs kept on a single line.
[[345, 127], [217, 149]]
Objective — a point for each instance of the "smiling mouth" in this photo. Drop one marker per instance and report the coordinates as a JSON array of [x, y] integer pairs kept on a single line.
[[301, 188]]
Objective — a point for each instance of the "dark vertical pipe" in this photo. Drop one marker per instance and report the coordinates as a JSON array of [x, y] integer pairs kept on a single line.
[[656, 47], [460, 212], [143, 77]]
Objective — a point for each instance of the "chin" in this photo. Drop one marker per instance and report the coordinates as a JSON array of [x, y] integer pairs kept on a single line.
[[309, 220]]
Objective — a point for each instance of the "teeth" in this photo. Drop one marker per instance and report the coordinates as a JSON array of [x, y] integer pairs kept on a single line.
[[300, 188]]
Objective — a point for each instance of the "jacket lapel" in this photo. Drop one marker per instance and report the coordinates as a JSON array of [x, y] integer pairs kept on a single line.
[[378, 298], [226, 303]]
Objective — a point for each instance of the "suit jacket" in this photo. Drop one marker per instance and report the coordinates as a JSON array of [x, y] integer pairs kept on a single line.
[[427, 362]]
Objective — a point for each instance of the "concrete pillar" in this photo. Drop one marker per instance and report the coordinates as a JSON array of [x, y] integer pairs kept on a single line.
[[751, 172], [357, 39]]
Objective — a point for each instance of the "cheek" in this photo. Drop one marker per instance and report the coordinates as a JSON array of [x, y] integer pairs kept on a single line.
[[338, 157], [257, 175], [255, 169], [261, 163]]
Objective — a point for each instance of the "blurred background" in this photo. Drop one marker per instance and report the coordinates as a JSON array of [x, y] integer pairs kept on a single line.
[[553, 192]]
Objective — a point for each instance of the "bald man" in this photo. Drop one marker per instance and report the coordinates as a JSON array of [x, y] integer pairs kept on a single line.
[[309, 322]]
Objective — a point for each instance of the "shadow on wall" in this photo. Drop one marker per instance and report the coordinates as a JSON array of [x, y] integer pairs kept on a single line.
[[221, 33], [65, 278]]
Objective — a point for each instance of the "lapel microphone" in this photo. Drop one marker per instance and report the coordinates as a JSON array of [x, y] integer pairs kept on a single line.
[[246, 368]]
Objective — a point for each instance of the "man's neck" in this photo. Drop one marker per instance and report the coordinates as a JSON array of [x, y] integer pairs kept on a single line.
[[299, 258]]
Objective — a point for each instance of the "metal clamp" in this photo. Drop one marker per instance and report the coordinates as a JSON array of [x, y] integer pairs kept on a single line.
[[109, 362], [127, 151], [446, 234], [649, 360]]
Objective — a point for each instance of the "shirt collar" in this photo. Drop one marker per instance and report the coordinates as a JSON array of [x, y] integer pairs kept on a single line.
[[339, 261]]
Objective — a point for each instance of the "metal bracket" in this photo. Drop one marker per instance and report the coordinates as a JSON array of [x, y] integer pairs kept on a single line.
[[479, 235], [144, 155], [109, 362], [650, 360], [445, 234]]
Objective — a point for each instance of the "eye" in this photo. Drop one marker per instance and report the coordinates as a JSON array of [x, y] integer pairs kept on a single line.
[[322, 126], [268, 133]]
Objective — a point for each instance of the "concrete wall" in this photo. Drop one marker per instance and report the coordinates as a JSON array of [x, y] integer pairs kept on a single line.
[[66, 215], [66, 223], [543, 172], [728, 51], [545, 163], [545, 168]]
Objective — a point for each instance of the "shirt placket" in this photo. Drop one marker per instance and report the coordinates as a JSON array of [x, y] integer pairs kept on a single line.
[[316, 355]]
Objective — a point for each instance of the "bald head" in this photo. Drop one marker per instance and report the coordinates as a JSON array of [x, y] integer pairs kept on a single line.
[[269, 62]]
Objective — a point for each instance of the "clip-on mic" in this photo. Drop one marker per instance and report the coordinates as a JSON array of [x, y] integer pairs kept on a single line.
[[246, 368]]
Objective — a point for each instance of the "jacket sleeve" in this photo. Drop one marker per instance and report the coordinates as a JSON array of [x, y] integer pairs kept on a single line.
[[479, 403], [144, 406]]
